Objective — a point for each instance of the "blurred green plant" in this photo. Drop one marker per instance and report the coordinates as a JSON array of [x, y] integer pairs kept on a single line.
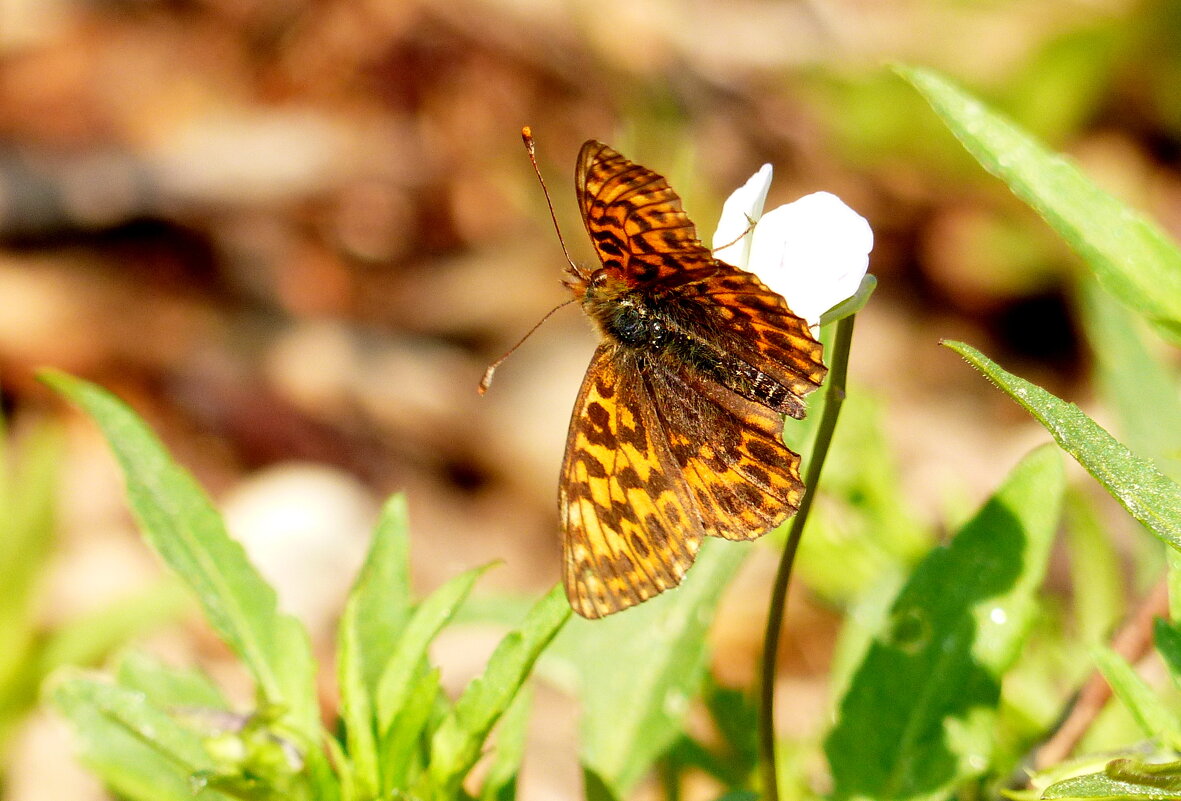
[[1140, 267], [29, 649], [153, 732]]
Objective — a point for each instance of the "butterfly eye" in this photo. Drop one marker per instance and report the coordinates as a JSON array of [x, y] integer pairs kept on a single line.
[[657, 332], [598, 278]]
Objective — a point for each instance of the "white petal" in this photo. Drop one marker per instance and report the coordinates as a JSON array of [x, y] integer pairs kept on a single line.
[[745, 204], [814, 252]]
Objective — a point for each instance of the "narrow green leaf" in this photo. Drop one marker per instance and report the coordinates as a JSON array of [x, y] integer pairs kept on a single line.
[[1173, 579], [356, 708], [456, 746], [429, 618], [168, 687], [1130, 779], [500, 784], [28, 498], [139, 751], [92, 636], [347, 791], [1147, 708], [380, 601], [637, 671], [1147, 494], [377, 609], [182, 525], [402, 748], [1140, 386], [917, 717], [1129, 254], [1167, 637], [1096, 576]]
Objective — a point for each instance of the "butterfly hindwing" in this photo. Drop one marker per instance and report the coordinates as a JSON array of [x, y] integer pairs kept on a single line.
[[624, 504], [743, 479]]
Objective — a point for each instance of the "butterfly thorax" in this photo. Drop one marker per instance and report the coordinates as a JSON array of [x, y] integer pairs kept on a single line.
[[681, 334]]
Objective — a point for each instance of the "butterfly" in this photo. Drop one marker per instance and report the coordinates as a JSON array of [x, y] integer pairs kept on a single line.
[[677, 430]]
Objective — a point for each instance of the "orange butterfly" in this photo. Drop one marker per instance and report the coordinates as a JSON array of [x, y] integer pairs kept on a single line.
[[677, 430]]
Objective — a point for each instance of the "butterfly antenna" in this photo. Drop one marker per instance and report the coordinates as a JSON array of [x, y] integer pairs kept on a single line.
[[531, 149], [486, 381]]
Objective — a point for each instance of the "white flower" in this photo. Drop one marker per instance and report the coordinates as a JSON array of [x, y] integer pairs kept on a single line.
[[814, 252]]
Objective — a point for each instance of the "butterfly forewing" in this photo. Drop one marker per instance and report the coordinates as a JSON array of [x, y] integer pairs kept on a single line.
[[759, 328], [633, 216]]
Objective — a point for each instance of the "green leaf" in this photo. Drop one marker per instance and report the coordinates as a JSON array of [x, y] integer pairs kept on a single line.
[[1167, 637], [500, 784], [377, 609], [1131, 779], [179, 521], [638, 670], [403, 746], [1137, 384], [1130, 255], [88, 638], [138, 750], [456, 745], [1147, 708], [917, 717], [167, 687], [380, 602], [1147, 494], [394, 686], [1136, 770], [1096, 575], [28, 497]]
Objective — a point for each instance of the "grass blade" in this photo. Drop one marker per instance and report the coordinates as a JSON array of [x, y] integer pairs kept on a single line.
[[1148, 709], [456, 745], [182, 525], [373, 618], [397, 679], [138, 750], [1133, 259], [1147, 494]]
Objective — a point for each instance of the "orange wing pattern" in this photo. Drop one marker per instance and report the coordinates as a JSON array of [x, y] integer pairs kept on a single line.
[[630, 529], [757, 328], [634, 217], [637, 225], [729, 451], [677, 430]]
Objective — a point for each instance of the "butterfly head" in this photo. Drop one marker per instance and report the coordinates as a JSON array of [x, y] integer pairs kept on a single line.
[[602, 285]]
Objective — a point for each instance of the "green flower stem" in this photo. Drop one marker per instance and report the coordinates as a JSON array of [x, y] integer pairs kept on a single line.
[[834, 396]]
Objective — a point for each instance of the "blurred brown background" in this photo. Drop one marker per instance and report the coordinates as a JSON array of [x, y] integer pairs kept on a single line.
[[292, 234]]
